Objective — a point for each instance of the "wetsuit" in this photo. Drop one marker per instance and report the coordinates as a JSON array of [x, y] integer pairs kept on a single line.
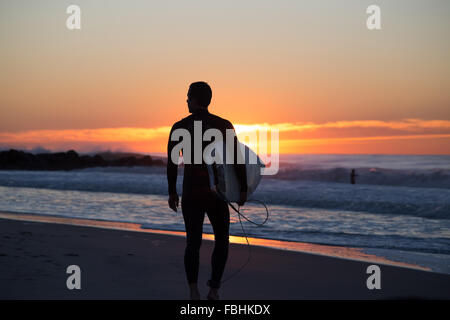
[[197, 198]]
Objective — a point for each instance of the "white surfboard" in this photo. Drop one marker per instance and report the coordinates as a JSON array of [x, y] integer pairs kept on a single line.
[[222, 175]]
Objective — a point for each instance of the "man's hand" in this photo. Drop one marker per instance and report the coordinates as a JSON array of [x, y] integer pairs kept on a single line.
[[242, 198], [173, 201]]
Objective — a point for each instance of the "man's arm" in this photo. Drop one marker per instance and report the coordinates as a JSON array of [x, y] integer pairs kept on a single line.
[[172, 172]]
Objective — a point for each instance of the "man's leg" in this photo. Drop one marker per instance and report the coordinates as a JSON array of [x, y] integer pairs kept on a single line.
[[193, 216], [219, 216]]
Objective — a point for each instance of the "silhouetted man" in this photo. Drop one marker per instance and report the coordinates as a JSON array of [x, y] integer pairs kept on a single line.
[[197, 198]]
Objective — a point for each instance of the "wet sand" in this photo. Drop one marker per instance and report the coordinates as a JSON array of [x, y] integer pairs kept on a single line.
[[126, 264]]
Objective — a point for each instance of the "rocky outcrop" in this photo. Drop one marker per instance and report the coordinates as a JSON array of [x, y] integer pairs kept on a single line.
[[20, 160]]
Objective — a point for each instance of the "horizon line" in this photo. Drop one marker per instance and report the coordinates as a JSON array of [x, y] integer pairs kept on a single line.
[[163, 154]]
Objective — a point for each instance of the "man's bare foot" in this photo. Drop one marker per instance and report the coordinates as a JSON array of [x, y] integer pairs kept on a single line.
[[194, 293], [213, 294]]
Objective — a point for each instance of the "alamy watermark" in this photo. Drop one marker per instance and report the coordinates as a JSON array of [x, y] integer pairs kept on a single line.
[[374, 280], [224, 153], [74, 280], [373, 21], [73, 21]]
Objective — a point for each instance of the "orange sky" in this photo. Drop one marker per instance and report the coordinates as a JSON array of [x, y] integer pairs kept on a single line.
[[333, 137], [312, 70]]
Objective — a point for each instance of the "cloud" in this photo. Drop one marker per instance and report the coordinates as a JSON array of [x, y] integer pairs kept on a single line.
[[404, 125], [87, 135], [291, 134]]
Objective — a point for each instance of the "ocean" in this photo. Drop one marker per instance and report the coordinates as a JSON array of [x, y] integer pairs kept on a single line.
[[399, 207]]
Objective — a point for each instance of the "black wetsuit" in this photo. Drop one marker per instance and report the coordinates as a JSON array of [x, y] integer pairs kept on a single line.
[[197, 198]]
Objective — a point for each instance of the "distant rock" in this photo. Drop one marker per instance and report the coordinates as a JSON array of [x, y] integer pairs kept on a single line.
[[20, 160]]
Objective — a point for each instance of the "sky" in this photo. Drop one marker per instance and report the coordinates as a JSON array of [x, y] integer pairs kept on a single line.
[[310, 69]]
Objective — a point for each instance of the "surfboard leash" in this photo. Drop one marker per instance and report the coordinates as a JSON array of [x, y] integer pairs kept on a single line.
[[238, 211]]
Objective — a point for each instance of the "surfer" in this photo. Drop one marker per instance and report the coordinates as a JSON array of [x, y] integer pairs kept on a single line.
[[353, 176], [197, 197]]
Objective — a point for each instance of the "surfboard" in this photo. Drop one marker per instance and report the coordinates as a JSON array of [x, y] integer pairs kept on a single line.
[[222, 174]]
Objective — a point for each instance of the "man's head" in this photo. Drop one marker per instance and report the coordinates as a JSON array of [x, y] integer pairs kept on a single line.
[[199, 96]]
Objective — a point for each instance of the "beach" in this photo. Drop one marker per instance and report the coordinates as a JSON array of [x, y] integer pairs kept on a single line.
[[129, 264], [334, 179], [407, 222]]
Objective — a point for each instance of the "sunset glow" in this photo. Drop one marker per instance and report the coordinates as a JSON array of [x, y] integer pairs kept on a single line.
[[318, 76], [330, 137]]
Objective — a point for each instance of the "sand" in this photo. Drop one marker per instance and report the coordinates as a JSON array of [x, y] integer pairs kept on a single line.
[[119, 264]]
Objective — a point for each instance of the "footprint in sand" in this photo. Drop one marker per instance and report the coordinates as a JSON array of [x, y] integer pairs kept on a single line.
[[157, 243], [71, 254]]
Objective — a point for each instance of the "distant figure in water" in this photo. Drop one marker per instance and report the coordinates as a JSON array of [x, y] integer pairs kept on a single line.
[[353, 176]]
